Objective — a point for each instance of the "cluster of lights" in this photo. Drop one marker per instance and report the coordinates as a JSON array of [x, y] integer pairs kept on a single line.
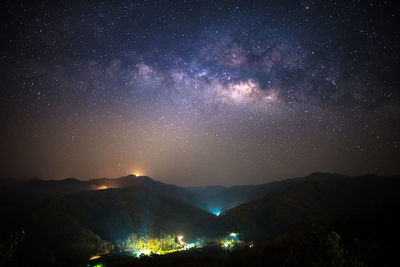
[[144, 252], [233, 235], [231, 241], [142, 246], [153, 245], [182, 246]]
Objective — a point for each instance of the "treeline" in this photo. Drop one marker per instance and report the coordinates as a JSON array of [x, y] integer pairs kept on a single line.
[[139, 245], [318, 246]]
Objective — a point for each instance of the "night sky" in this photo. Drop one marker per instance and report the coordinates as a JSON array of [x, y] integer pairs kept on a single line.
[[199, 92]]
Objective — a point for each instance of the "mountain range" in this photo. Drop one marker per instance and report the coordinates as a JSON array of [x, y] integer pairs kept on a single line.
[[73, 219]]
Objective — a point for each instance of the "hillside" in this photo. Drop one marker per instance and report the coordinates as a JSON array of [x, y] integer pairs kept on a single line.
[[221, 198], [64, 227], [211, 198], [82, 224], [36, 189], [312, 201]]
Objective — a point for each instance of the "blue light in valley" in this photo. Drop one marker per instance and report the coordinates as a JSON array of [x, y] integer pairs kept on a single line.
[[216, 212]]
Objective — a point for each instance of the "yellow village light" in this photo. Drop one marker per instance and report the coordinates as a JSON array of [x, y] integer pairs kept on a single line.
[[144, 252], [180, 240], [94, 257]]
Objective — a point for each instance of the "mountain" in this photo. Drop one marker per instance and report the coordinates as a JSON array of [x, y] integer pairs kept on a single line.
[[215, 199], [82, 224], [70, 220], [69, 185], [36, 189], [7, 181], [313, 201], [220, 198]]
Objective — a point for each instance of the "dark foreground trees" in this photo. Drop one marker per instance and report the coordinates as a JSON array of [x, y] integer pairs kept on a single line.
[[318, 246]]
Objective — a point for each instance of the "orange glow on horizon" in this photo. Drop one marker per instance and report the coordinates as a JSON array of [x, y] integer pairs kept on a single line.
[[136, 173], [102, 187]]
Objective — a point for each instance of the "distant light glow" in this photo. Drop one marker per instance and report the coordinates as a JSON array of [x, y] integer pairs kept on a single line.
[[231, 241], [180, 240], [148, 245], [216, 212], [95, 257], [190, 245], [144, 252], [102, 187]]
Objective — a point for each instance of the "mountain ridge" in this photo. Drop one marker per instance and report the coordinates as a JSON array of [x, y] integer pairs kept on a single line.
[[84, 223]]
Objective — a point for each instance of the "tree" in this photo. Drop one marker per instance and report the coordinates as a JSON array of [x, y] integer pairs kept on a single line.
[[7, 250]]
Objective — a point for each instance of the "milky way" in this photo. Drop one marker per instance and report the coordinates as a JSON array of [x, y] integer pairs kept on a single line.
[[199, 92]]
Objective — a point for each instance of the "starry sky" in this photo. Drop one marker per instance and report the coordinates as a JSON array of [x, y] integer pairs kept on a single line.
[[199, 92]]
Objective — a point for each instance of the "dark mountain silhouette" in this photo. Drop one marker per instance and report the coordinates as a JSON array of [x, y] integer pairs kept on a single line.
[[36, 189], [207, 197], [69, 185], [83, 224], [225, 198], [313, 201], [7, 181], [69, 220]]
